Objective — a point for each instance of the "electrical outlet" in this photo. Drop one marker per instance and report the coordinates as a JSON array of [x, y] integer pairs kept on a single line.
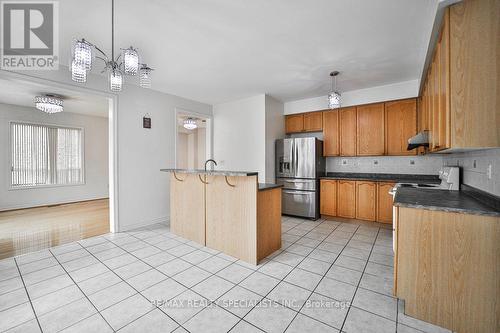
[[344, 161], [488, 171]]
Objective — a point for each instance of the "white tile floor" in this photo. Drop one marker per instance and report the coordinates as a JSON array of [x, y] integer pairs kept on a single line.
[[328, 277]]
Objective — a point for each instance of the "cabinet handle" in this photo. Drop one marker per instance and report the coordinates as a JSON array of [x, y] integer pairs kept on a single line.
[[178, 179], [227, 182], [204, 182]]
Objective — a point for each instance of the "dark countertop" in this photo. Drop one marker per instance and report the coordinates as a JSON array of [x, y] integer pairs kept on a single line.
[[213, 172], [389, 177], [444, 200], [268, 186]]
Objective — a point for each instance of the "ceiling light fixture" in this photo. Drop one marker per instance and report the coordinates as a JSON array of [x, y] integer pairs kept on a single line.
[[190, 123], [334, 95], [49, 103], [127, 63]]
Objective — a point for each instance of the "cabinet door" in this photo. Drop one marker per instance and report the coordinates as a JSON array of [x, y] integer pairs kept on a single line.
[[328, 197], [346, 198], [331, 133], [370, 130], [384, 202], [347, 126], [313, 121], [294, 123], [400, 125], [444, 123], [366, 195]]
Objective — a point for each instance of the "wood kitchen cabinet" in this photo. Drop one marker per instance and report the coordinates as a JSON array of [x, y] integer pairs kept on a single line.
[[446, 268], [384, 202], [331, 133], [460, 104], [370, 129], [366, 200], [400, 125], [346, 198], [328, 197], [304, 122], [347, 131], [313, 121], [294, 123]]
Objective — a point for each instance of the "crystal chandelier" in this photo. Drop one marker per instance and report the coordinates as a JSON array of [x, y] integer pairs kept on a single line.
[[334, 95], [127, 62], [49, 103], [190, 124]]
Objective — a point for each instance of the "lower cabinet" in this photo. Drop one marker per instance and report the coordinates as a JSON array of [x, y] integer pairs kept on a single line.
[[384, 202], [366, 200], [346, 198], [363, 200], [328, 197]]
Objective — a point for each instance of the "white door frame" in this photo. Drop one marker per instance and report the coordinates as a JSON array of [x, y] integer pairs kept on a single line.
[[114, 221], [210, 132]]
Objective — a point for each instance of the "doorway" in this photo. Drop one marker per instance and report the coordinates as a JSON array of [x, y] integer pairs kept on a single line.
[[57, 177], [193, 140]]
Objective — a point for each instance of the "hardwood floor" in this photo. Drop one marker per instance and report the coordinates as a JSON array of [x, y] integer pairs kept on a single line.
[[33, 229]]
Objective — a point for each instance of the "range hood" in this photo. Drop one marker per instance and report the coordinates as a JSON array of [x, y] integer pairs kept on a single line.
[[419, 140]]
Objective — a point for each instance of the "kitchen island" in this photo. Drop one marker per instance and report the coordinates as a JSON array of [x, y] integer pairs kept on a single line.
[[228, 211]]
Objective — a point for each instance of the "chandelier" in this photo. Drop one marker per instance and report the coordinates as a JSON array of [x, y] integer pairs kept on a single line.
[[334, 95], [190, 123], [49, 103], [128, 62]]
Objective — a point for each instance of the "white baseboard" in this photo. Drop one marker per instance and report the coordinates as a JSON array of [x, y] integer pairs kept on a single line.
[[54, 203]]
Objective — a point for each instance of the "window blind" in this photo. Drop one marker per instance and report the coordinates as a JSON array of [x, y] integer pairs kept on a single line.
[[45, 155]]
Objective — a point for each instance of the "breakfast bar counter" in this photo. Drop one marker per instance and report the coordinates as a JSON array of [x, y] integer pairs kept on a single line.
[[228, 211]]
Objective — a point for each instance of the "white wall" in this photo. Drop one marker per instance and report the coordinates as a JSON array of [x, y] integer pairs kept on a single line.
[[95, 164], [239, 135], [182, 151], [388, 92], [275, 129], [143, 191]]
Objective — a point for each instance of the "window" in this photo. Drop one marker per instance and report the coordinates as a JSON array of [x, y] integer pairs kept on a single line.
[[45, 155]]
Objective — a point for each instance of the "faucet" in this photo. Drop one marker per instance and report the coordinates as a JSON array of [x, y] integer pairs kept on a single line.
[[209, 160]]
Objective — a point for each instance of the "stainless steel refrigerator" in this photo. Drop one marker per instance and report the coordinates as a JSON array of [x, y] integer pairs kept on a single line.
[[299, 164]]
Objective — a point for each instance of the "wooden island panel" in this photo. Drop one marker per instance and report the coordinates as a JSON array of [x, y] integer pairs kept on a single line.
[[231, 216], [187, 207]]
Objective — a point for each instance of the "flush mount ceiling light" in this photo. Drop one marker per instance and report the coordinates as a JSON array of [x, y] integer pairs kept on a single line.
[[126, 63], [49, 103], [334, 95], [190, 123]]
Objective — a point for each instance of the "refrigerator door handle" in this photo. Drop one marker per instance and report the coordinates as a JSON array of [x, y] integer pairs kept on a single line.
[[296, 192]]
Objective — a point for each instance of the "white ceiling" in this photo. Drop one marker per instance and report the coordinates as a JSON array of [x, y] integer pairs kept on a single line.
[[221, 50], [17, 92]]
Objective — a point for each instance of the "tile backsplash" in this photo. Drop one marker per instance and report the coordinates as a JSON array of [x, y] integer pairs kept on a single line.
[[479, 169], [423, 165]]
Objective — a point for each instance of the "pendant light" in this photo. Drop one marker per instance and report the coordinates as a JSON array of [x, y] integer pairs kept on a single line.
[[334, 95], [126, 63]]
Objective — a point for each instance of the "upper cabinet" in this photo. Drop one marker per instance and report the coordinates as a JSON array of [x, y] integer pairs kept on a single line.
[[294, 123], [347, 131], [460, 104], [304, 122], [370, 130], [331, 133], [400, 125]]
